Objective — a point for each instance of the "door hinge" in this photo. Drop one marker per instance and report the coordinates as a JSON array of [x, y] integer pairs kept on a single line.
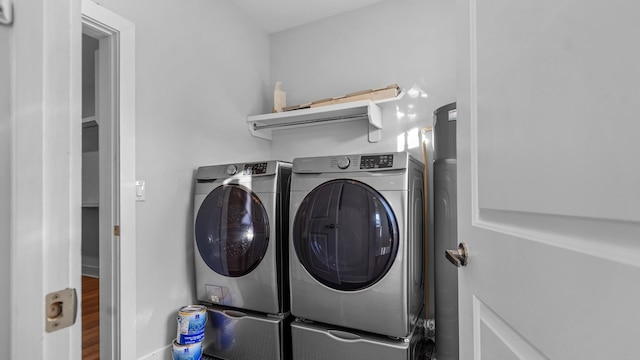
[[116, 230]]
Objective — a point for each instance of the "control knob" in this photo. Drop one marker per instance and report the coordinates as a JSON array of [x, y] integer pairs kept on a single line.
[[344, 162], [232, 169]]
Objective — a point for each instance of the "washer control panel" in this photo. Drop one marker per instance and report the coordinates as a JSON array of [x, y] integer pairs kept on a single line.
[[376, 161], [372, 162], [255, 169]]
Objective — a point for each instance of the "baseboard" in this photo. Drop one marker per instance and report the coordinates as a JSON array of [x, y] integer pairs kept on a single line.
[[160, 354]]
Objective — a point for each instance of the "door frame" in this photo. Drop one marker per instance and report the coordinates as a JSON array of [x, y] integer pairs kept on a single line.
[[115, 108]]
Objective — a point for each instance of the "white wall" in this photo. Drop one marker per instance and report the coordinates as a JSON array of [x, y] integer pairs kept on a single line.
[[5, 186], [408, 42], [201, 67]]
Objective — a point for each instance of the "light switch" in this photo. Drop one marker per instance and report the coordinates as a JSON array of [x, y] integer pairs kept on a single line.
[[140, 190]]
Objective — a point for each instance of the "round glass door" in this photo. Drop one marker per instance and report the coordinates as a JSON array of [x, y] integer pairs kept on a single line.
[[232, 230], [345, 234]]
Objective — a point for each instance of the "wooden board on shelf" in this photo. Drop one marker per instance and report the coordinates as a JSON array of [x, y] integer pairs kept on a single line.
[[390, 91], [296, 107], [386, 92]]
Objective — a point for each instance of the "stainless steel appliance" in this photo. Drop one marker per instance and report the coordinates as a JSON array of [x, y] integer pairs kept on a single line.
[[240, 235], [445, 231], [235, 334], [314, 341], [357, 241]]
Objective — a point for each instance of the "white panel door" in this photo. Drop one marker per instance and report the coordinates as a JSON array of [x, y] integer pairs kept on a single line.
[[549, 179], [45, 146]]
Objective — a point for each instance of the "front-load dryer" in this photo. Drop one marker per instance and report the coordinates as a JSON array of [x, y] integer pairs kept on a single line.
[[240, 235], [356, 242]]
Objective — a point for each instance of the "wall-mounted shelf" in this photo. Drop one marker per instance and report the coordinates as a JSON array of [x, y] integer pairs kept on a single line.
[[263, 125]]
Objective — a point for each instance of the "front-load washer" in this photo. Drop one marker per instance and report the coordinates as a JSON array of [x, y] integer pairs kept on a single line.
[[240, 235], [357, 241]]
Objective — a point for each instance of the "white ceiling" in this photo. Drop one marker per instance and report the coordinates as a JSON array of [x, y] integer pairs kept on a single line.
[[277, 15]]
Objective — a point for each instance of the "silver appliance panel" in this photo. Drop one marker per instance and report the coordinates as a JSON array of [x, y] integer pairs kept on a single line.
[[391, 305], [236, 335], [445, 230], [265, 287], [311, 341], [379, 162], [236, 170]]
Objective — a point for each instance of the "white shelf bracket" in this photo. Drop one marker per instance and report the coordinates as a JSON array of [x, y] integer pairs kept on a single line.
[[261, 133], [375, 123]]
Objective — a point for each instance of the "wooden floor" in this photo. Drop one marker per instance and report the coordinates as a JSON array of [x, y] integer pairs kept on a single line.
[[90, 318]]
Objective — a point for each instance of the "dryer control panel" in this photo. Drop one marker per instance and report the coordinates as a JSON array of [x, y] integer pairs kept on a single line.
[[352, 163], [376, 161], [255, 169]]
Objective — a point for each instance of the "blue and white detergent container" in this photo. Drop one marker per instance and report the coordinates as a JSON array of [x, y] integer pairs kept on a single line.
[[187, 351], [191, 323]]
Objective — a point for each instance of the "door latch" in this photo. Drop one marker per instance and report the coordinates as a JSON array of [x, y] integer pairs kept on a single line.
[[61, 309], [458, 257]]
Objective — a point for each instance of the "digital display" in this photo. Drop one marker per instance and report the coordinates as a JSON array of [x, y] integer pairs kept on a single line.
[[255, 169], [376, 161]]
